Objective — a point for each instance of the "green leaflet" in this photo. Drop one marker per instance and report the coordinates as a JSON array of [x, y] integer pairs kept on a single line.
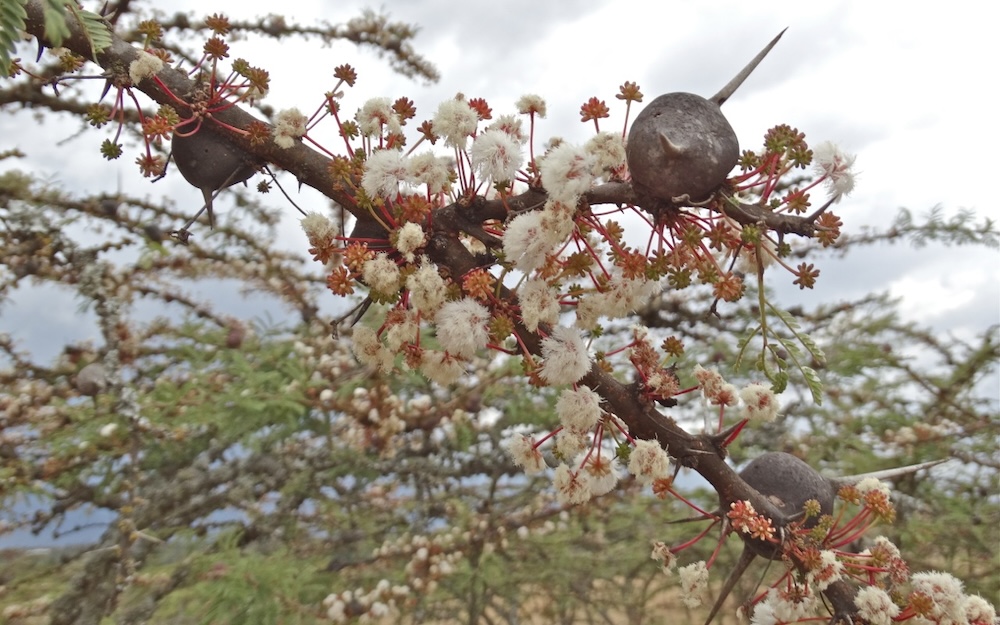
[[95, 29], [12, 23], [803, 338], [56, 28], [12, 17], [779, 353]]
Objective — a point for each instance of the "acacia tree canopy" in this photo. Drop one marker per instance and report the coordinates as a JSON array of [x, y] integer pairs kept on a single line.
[[502, 284]]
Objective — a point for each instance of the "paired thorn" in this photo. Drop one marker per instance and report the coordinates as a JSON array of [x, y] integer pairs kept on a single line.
[[885, 474], [735, 83]]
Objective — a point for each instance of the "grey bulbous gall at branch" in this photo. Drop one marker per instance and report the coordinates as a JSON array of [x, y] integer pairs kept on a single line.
[[681, 148]]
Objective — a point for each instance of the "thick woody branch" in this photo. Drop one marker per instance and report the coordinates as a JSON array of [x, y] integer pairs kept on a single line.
[[309, 166]]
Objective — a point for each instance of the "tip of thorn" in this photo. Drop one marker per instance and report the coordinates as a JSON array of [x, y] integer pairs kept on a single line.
[[734, 84]]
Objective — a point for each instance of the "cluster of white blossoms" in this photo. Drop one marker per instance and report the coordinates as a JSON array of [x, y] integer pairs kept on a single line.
[[408, 239], [462, 327], [380, 604], [496, 154], [694, 583], [594, 471], [621, 296], [567, 172], [566, 358], [289, 125], [376, 117], [759, 401], [381, 274], [144, 66], [941, 595], [830, 570], [785, 607], [949, 603]]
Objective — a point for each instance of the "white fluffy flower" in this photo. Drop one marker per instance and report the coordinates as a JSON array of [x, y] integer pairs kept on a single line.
[[694, 581], [626, 295], [375, 115], [539, 304], [496, 155], [532, 235], [761, 404], [369, 349], [524, 242], [381, 274], [531, 103], [830, 161], [566, 357], [567, 173], [945, 591], [441, 367], [578, 409], [510, 125], [455, 121], [409, 238], [289, 124], [524, 453], [572, 487], [978, 611], [319, 228], [661, 553], [648, 461], [875, 605], [602, 471], [870, 484], [461, 327], [830, 569], [427, 288], [403, 329], [608, 150], [570, 442], [433, 171], [384, 170], [144, 66]]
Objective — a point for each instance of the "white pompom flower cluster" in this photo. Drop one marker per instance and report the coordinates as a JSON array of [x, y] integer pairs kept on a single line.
[[289, 125], [594, 470], [837, 167], [759, 401]]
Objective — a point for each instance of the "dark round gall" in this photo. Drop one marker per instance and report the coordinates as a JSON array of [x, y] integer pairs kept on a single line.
[[92, 380], [209, 162], [681, 144], [788, 483]]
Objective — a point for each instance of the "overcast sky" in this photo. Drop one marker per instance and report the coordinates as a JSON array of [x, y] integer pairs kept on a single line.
[[905, 89]]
